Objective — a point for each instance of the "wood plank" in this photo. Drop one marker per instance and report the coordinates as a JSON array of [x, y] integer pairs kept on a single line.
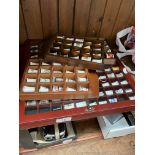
[[49, 17], [66, 8], [82, 9], [96, 17], [31, 10], [122, 18], [124, 145], [110, 15], [87, 129], [22, 28], [131, 21]]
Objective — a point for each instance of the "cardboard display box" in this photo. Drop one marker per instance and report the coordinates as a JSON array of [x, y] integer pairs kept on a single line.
[[45, 136], [92, 53], [44, 81], [115, 126]]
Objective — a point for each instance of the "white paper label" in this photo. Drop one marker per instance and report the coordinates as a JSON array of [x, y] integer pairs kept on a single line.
[[31, 80], [43, 89], [67, 141], [33, 63], [97, 61], [125, 71], [28, 89], [65, 119]]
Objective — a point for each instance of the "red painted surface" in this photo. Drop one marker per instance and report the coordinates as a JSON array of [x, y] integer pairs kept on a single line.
[[47, 118]]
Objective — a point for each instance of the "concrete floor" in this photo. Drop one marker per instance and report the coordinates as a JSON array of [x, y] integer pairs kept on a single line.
[[116, 146]]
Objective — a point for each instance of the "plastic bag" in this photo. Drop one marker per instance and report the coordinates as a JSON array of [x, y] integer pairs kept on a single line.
[[130, 41], [128, 48]]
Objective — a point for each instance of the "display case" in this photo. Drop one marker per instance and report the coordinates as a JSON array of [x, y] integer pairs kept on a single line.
[[37, 113], [45, 81], [89, 52]]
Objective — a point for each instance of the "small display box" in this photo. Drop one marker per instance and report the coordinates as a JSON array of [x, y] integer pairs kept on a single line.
[[92, 53], [114, 86], [48, 135], [44, 81], [117, 125], [35, 48], [116, 93]]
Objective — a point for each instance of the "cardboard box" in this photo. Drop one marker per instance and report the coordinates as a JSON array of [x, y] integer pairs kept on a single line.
[[117, 128], [36, 138], [71, 135]]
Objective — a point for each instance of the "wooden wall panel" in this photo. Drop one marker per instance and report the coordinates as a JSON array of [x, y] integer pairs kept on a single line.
[[49, 17], [109, 19], [96, 17], [81, 17], [32, 15], [66, 15], [22, 30], [122, 18], [103, 18], [131, 20]]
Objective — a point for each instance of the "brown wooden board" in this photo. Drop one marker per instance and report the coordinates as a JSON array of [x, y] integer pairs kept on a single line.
[[62, 82], [96, 17], [45, 17], [109, 19], [122, 18], [66, 12], [81, 17], [87, 129], [32, 16], [49, 13], [131, 21], [22, 30]]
